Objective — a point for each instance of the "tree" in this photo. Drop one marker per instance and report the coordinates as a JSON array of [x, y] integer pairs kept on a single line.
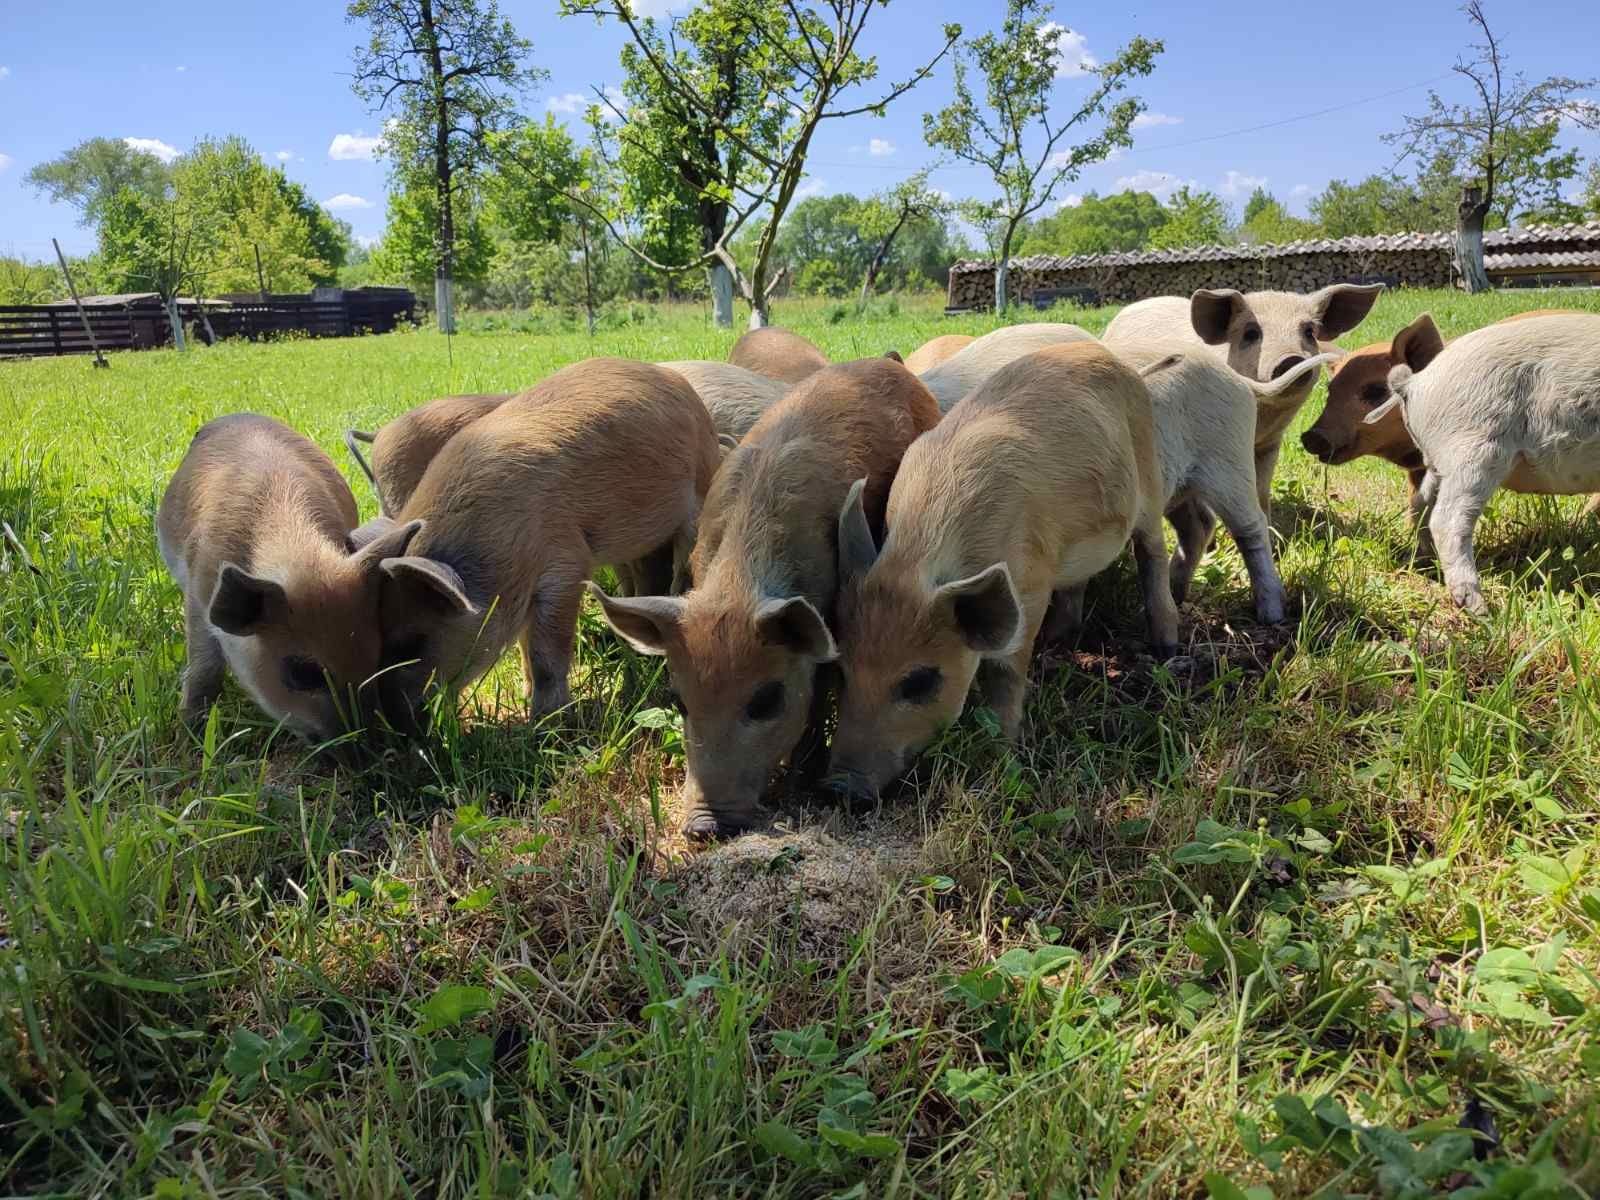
[[409, 251], [1590, 198], [163, 244], [1097, 224], [1268, 223], [450, 69], [1490, 135], [884, 217], [92, 172], [1384, 204], [332, 240], [1018, 66], [1193, 219], [23, 282], [730, 111]]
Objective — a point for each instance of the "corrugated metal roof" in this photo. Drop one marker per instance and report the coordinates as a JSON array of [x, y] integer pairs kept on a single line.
[[1508, 240]]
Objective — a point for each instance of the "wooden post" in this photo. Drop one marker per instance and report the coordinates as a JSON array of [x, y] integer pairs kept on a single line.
[[99, 359], [261, 279]]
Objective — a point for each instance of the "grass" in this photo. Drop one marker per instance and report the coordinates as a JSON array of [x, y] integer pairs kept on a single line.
[[1282, 915]]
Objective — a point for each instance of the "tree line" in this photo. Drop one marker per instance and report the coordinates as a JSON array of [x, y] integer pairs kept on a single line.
[[687, 180]]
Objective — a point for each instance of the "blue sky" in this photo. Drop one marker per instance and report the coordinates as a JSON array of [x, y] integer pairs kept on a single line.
[[278, 74]]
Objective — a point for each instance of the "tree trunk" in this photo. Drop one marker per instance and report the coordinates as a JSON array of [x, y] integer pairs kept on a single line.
[[1002, 269], [176, 322], [1470, 213], [445, 234], [588, 278], [721, 281], [758, 314], [877, 262]]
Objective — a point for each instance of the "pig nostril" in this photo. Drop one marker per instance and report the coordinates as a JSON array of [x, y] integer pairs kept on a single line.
[[850, 789], [1316, 444], [1286, 365]]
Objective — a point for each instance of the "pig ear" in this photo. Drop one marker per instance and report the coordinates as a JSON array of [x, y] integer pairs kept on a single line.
[[728, 443], [647, 623], [434, 582], [388, 540], [1339, 308], [857, 550], [1417, 345], [794, 623], [1211, 311], [242, 603], [894, 356], [362, 536], [986, 610]]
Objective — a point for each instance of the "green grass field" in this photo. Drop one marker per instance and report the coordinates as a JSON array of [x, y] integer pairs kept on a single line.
[[1279, 915]]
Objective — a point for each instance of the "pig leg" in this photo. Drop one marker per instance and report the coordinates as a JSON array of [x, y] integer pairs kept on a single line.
[[1003, 682], [203, 670], [1266, 464], [1065, 617], [1193, 523], [1461, 498], [1237, 508], [1417, 509], [547, 641], [1161, 614]]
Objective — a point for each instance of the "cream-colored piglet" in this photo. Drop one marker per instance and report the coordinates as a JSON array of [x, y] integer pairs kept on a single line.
[[745, 644], [403, 448], [937, 350], [1262, 335], [952, 379], [778, 354], [1513, 405], [735, 397], [255, 528], [1031, 485], [599, 464]]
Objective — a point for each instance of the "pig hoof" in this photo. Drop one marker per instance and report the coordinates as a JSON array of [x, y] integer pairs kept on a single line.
[[1162, 651], [706, 826], [1471, 599]]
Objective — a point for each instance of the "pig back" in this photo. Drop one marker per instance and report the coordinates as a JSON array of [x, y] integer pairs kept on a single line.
[[958, 375], [403, 447]]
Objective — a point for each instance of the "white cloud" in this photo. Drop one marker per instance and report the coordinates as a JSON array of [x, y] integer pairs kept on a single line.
[[154, 146], [344, 200], [1070, 200], [348, 147], [657, 8], [1237, 183], [1159, 184], [814, 187], [5, 161], [1300, 190], [180, 70], [1149, 120], [567, 102], [1073, 49], [284, 155], [880, 147], [4, 71]]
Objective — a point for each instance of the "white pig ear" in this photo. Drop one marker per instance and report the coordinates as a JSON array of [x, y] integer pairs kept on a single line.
[[1211, 311], [1340, 307], [794, 623], [986, 610], [647, 623], [435, 582], [857, 550], [242, 603]]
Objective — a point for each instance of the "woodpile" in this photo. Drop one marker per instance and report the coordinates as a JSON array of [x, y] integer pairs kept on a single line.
[[1400, 260]]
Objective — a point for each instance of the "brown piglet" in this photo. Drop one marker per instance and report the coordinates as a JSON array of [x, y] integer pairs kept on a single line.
[[1028, 487], [602, 463], [255, 528], [777, 354], [403, 448], [747, 644]]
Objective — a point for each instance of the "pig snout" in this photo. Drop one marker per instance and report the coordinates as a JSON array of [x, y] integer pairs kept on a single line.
[[1318, 445], [850, 787], [1286, 364]]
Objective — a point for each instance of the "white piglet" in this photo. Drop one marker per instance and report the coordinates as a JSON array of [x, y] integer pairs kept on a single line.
[[1512, 404]]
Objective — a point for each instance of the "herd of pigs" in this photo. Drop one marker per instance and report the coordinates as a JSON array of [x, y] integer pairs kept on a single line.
[[852, 545]]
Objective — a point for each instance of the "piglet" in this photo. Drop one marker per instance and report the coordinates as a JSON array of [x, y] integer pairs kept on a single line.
[[403, 448], [745, 644], [778, 354], [255, 528], [601, 463], [1028, 487], [1514, 405], [953, 377]]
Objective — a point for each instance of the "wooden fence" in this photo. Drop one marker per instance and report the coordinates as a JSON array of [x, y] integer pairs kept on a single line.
[[44, 329]]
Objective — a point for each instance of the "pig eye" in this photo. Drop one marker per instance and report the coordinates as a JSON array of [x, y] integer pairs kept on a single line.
[[1251, 335], [1375, 394], [920, 686], [304, 675], [1308, 331], [767, 702]]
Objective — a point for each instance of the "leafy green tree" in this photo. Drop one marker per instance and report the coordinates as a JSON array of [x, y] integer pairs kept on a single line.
[[450, 71], [1534, 175], [727, 99], [24, 282], [92, 172], [1268, 223], [332, 239], [1589, 200], [1383, 204], [1194, 218], [1494, 139], [165, 244], [409, 251], [884, 217], [1018, 66], [1098, 224]]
